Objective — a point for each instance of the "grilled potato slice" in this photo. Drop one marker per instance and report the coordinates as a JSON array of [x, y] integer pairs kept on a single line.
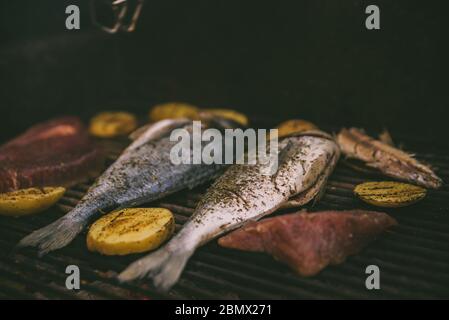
[[294, 125], [28, 201], [229, 114], [389, 194], [112, 124], [131, 230], [173, 110]]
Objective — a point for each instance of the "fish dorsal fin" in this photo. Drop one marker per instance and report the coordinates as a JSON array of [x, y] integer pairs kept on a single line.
[[155, 131], [386, 138]]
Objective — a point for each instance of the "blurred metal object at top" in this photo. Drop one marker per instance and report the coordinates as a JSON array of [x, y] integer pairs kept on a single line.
[[124, 14]]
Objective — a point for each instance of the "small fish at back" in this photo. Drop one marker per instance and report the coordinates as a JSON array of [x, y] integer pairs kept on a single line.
[[391, 161]]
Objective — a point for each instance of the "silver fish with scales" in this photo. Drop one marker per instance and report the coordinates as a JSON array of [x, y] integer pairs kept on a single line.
[[241, 194], [143, 173]]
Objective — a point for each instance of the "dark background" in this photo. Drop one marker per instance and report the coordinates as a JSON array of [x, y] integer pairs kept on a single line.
[[309, 59]]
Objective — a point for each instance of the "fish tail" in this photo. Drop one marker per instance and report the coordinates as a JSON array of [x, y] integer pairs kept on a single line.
[[54, 236], [164, 266]]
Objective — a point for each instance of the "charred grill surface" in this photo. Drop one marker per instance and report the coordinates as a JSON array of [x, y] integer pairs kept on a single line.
[[413, 257]]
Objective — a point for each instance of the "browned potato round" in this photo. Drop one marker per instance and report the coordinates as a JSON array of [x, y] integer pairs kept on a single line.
[[112, 124], [389, 193], [130, 231], [28, 201], [230, 114], [173, 110], [294, 125]]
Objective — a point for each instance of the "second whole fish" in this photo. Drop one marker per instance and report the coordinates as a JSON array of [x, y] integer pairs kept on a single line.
[[143, 173], [243, 193]]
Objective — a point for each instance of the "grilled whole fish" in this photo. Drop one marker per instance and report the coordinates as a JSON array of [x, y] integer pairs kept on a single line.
[[241, 194], [392, 162], [141, 174]]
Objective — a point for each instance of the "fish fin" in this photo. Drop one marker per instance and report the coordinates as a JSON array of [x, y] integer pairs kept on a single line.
[[321, 192], [164, 266], [54, 236], [300, 199], [386, 138], [314, 193], [155, 131], [139, 131]]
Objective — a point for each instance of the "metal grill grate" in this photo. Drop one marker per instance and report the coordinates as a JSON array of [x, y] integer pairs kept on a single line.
[[413, 257]]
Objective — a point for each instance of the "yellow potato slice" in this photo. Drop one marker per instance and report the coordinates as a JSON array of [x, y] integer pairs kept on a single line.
[[28, 201], [173, 110], [112, 124], [131, 230], [230, 114], [389, 194], [294, 125]]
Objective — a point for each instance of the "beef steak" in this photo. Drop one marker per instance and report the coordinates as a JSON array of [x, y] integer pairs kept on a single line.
[[308, 242], [58, 152]]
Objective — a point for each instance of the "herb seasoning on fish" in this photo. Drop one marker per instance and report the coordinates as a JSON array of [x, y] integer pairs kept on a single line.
[[143, 173], [243, 193]]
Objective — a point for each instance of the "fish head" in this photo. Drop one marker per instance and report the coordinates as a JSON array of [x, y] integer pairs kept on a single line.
[[306, 161]]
